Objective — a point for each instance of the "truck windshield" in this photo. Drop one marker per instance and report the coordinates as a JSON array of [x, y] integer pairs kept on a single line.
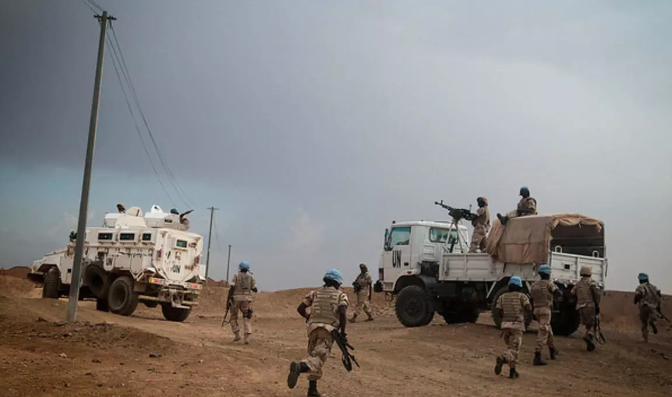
[[400, 236], [441, 235]]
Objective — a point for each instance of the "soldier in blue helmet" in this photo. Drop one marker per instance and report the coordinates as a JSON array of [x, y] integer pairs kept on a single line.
[[329, 308], [512, 306], [240, 300], [648, 297], [526, 206], [543, 292]]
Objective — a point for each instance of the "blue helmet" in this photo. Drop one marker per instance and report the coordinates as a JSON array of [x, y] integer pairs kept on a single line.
[[544, 269], [643, 277], [335, 275], [174, 211], [244, 265], [515, 280]]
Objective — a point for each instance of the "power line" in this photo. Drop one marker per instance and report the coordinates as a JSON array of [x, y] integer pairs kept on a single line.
[[93, 3], [137, 128], [93, 10], [180, 192]]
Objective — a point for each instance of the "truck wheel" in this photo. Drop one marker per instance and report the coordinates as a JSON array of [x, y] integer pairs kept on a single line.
[[171, 313], [121, 298], [102, 305], [414, 307], [97, 281], [52, 284], [566, 321], [151, 304]]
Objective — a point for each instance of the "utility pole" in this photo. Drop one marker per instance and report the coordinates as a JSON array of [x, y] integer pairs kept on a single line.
[[207, 258], [228, 264], [86, 183]]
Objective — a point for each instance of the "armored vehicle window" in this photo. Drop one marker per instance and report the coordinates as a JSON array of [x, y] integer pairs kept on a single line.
[[146, 236], [181, 244], [126, 236], [104, 236], [400, 236]]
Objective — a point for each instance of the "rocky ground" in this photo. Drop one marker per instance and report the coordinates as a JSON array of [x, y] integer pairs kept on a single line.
[[109, 355]]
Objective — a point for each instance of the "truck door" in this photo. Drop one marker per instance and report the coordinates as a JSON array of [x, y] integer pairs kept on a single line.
[[396, 255]]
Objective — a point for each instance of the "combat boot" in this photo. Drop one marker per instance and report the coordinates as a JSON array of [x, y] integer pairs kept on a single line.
[[513, 374], [503, 218], [295, 369], [237, 337], [312, 389], [371, 318], [247, 339], [590, 345], [554, 352], [538, 360], [353, 319], [500, 362]]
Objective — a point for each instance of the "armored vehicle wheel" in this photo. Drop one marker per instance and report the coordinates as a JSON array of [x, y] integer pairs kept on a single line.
[[102, 305], [97, 281], [414, 307], [121, 298], [52, 284], [171, 313]]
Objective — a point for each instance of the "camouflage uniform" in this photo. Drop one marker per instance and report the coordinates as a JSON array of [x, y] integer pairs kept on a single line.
[[324, 318], [648, 298], [526, 206], [542, 296], [513, 323], [242, 283], [364, 281], [481, 226], [585, 290]]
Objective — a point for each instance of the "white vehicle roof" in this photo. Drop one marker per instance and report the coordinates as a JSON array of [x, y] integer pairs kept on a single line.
[[437, 224]]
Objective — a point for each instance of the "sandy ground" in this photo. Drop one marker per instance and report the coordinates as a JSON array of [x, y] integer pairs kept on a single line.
[[109, 355]]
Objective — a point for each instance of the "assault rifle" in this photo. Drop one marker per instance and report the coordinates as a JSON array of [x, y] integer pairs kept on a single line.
[[598, 330], [342, 342], [457, 213], [660, 313], [228, 307]]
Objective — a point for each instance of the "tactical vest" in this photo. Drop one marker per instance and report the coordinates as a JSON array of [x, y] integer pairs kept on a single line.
[[362, 281], [513, 310], [243, 284], [584, 293], [649, 296], [484, 219], [325, 307], [541, 294]]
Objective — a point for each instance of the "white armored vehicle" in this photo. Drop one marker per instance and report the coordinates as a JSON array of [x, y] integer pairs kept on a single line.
[[427, 267], [131, 259]]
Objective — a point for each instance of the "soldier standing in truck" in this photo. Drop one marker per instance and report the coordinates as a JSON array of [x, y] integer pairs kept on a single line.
[[240, 298], [648, 297], [512, 307], [526, 206], [329, 308], [542, 292], [363, 285], [481, 224], [587, 303]]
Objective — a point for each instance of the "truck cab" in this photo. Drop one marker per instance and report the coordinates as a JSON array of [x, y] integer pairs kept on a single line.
[[410, 247]]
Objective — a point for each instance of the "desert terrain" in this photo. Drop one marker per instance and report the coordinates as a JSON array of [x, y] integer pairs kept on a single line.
[[108, 355]]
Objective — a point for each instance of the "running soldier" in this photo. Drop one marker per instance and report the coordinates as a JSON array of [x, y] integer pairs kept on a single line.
[[512, 307], [362, 286], [240, 300], [481, 225], [542, 293], [526, 206], [648, 297], [588, 305], [329, 308]]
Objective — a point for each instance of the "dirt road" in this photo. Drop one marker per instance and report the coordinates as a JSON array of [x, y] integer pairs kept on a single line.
[[109, 355]]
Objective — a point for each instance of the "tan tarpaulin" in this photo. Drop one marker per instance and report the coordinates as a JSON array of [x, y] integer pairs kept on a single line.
[[527, 239]]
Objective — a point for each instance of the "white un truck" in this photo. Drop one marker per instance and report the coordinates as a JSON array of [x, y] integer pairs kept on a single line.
[[427, 267], [131, 259]]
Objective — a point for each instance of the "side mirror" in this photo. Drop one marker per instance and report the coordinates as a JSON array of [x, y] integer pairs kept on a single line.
[[386, 243]]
